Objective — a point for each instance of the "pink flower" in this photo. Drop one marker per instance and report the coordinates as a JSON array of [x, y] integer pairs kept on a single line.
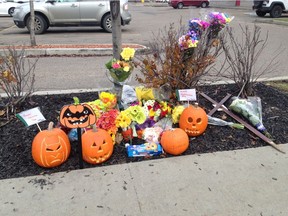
[[116, 65]]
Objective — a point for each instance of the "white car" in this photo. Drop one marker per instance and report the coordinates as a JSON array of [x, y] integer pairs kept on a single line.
[[61, 13], [7, 8]]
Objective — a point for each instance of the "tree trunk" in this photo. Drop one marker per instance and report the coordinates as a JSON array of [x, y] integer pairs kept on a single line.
[[32, 23], [116, 28]]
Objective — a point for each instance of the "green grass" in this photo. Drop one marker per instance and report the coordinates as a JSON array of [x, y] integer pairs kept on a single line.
[[281, 19], [281, 85]]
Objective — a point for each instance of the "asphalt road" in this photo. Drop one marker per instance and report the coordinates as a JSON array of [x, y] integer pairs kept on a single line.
[[89, 73]]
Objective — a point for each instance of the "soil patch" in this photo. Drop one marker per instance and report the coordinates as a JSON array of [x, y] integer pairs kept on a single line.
[[16, 139]]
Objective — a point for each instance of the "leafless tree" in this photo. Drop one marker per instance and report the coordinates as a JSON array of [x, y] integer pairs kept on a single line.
[[17, 78], [242, 55]]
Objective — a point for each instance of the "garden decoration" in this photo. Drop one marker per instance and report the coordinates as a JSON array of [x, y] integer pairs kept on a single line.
[[51, 147], [174, 141], [97, 145], [249, 127], [193, 120], [77, 116]]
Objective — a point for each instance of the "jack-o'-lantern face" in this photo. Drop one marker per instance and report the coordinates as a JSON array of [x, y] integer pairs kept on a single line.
[[193, 120], [50, 148], [77, 116], [97, 146]]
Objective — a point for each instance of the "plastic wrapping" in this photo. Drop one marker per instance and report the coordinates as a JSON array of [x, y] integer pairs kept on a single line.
[[161, 94], [251, 110], [220, 122]]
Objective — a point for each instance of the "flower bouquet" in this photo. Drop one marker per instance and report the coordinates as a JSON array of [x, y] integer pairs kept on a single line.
[[120, 69]]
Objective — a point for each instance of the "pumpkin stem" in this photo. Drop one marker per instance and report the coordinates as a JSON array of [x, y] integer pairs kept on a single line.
[[94, 128], [76, 100], [50, 126]]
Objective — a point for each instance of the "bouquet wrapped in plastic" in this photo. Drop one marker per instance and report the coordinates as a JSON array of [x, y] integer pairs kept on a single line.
[[120, 69], [251, 110]]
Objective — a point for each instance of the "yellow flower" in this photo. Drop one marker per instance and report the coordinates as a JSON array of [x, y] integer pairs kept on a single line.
[[127, 53], [165, 107], [123, 120], [192, 43], [126, 68], [177, 111]]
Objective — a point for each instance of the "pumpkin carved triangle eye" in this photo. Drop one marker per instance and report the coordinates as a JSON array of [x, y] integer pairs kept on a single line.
[[97, 146]]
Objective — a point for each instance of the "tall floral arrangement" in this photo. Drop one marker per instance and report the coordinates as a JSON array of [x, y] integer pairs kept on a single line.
[[183, 60], [120, 69]]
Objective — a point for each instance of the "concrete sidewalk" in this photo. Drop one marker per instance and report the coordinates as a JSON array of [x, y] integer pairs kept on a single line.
[[242, 182]]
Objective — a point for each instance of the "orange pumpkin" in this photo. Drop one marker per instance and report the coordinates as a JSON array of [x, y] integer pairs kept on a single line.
[[193, 120], [51, 147], [97, 146], [77, 116], [174, 141]]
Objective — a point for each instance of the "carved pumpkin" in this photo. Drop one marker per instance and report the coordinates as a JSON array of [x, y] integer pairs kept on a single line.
[[77, 115], [193, 120], [174, 141], [51, 147], [97, 146]]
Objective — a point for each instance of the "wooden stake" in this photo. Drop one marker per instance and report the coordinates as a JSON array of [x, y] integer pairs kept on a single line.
[[249, 127]]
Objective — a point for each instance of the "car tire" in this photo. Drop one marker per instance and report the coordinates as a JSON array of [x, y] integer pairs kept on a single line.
[[106, 23], [40, 24], [260, 13], [276, 11], [204, 5], [11, 11], [180, 5]]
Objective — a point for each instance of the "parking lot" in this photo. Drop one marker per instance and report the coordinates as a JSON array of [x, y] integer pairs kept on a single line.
[[87, 73], [145, 21]]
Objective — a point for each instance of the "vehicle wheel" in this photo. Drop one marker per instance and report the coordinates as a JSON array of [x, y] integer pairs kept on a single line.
[[204, 5], [276, 11], [180, 5], [106, 23], [40, 24], [11, 11], [260, 13]]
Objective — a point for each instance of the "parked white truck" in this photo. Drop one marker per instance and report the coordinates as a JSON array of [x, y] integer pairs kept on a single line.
[[274, 7]]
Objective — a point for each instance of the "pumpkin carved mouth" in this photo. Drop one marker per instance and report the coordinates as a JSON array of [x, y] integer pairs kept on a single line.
[[78, 121], [193, 132], [100, 159]]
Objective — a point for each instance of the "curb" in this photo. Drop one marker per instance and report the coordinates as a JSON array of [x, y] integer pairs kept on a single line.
[[79, 51]]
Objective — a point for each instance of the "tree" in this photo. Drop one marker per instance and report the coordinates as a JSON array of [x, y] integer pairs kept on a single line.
[[32, 23]]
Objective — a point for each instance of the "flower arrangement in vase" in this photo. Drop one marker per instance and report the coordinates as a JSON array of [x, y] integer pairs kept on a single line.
[[121, 69]]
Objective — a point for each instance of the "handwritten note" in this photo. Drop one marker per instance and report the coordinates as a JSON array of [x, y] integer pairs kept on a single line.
[[186, 94], [31, 116]]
